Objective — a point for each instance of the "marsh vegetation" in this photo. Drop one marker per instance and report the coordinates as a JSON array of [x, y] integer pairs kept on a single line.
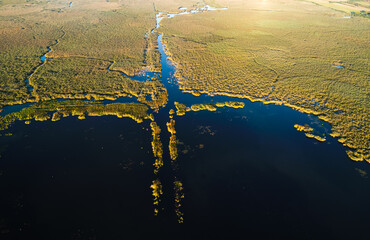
[[82, 48], [54, 110], [280, 53]]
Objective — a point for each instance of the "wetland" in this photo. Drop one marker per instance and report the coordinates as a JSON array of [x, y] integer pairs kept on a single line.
[[178, 127]]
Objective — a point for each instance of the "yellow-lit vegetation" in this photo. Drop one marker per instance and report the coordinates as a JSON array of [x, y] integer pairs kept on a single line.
[[82, 78], [44, 110], [182, 108], [174, 5], [106, 30], [157, 91], [157, 193], [198, 107], [279, 52], [359, 8], [179, 195], [153, 56], [304, 128], [173, 140], [318, 138], [157, 147], [23, 40], [196, 94], [308, 132], [357, 155], [178, 187], [85, 39], [234, 104]]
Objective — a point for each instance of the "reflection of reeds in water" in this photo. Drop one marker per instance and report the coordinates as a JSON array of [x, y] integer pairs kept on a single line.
[[177, 184]]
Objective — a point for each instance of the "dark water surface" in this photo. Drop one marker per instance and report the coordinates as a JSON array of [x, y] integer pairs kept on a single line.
[[247, 174]]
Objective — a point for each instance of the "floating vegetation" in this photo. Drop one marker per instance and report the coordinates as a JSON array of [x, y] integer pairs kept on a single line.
[[56, 116], [196, 94], [179, 195], [157, 193], [157, 147], [304, 128], [209, 107], [231, 104], [42, 111], [178, 187], [308, 132], [359, 155], [182, 108], [173, 141], [318, 138]]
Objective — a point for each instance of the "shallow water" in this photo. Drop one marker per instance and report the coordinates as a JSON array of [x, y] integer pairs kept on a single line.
[[43, 57], [245, 172], [338, 66]]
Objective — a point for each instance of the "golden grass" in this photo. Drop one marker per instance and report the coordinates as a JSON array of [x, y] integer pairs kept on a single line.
[[84, 78], [344, 6], [88, 35], [157, 147], [174, 5], [173, 141], [279, 52], [55, 110], [182, 108]]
